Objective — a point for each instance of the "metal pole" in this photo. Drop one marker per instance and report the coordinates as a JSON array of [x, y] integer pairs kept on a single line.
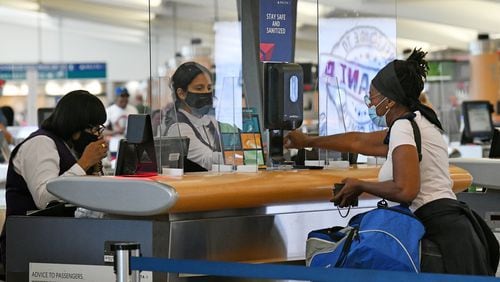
[[122, 265], [122, 252]]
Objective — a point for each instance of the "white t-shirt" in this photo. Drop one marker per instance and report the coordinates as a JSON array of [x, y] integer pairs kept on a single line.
[[118, 117], [198, 151], [435, 181]]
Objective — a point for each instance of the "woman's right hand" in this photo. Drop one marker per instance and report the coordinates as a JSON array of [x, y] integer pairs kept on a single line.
[[295, 139], [93, 153]]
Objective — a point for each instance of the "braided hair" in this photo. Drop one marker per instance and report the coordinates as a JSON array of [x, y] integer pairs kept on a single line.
[[403, 81], [412, 73]]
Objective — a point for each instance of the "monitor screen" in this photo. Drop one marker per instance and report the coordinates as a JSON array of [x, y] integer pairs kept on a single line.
[[477, 120], [136, 153]]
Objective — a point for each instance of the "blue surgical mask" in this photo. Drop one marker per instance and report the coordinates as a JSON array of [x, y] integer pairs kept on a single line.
[[380, 121]]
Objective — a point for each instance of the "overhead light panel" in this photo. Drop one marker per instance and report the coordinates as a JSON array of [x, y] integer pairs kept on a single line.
[[129, 3], [21, 5]]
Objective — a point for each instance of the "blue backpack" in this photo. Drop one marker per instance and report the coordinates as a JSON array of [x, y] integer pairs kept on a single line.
[[385, 238]]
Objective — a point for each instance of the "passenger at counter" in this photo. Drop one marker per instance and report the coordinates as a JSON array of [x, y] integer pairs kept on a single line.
[[467, 245], [67, 144], [118, 112], [192, 85]]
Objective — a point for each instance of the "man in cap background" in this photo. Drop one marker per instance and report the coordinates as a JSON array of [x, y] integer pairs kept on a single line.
[[118, 112]]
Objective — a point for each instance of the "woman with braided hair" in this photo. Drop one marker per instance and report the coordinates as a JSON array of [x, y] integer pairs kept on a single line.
[[416, 171]]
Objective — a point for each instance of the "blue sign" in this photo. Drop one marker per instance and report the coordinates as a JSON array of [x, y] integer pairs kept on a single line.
[[53, 71], [277, 30]]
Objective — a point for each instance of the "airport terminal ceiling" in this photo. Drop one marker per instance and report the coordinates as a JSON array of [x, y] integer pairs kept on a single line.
[[116, 31], [431, 24]]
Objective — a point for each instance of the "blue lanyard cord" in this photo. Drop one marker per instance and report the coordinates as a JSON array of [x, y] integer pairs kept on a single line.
[[291, 272]]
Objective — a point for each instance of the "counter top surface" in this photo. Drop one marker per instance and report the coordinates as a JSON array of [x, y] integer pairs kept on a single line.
[[215, 191]]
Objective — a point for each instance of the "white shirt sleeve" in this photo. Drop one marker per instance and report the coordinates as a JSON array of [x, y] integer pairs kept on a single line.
[[37, 161]]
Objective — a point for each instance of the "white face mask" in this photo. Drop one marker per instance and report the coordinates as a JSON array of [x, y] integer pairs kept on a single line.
[[380, 121]]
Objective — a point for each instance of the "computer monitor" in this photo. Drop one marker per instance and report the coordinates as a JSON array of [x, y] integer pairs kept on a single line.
[[478, 124], [43, 114], [136, 153]]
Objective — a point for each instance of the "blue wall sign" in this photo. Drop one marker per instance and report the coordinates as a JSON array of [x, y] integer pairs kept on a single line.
[[53, 71], [277, 30]]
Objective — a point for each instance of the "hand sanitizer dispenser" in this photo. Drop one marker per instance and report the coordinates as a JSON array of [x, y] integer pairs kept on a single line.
[[283, 103], [283, 96]]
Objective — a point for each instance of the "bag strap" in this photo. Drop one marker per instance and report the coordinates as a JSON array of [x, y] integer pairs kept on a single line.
[[416, 133], [347, 246], [418, 139]]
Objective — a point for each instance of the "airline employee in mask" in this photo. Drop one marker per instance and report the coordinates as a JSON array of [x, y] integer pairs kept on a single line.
[[192, 85]]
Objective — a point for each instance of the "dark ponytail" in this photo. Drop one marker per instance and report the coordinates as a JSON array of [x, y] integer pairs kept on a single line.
[[411, 74], [417, 59]]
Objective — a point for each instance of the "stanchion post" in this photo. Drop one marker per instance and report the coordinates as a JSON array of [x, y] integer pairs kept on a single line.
[[122, 253]]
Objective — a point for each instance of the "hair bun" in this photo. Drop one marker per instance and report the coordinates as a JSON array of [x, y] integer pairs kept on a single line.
[[416, 59]]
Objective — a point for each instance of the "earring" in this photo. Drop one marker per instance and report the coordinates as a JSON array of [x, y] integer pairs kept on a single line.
[[386, 107]]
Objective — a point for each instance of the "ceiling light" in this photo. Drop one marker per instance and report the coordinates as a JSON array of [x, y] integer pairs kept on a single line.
[[71, 86], [132, 86], [24, 89], [10, 89], [22, 5], [53, 88], [94, 87]]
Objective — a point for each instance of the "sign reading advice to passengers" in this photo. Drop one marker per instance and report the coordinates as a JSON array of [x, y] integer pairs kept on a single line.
[[48, 272], [352, 51], [277, 30]]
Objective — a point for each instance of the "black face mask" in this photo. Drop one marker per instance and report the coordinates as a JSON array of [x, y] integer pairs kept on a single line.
[[200, 103], [82, 142]]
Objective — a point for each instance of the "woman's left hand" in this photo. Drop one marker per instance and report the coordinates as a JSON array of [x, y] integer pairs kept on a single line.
[[349, 194]]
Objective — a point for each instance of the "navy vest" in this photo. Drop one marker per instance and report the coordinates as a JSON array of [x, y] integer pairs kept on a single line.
[[17, 195]]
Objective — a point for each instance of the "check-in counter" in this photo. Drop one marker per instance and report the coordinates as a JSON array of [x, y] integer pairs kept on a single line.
[[252, 217], [485, 196], [206, 192]]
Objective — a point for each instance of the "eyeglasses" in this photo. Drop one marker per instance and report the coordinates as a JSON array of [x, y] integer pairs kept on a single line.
[[96, 129], [368, 101]]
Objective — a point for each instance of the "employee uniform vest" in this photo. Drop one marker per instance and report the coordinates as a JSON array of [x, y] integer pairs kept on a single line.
[[181, 117], [17, 195]]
